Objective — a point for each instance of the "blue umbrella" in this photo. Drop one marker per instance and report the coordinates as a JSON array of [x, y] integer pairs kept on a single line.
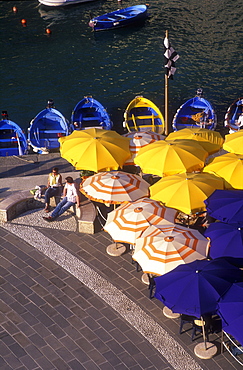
[[195, 288], [230, 309], [238, 262], [225, 240], [226, 206]]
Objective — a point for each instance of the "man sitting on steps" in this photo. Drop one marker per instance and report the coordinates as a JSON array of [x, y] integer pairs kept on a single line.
[[71, 197]]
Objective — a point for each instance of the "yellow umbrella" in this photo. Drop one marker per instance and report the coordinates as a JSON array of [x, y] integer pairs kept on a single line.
[[164, 158], [234, 142], [230, 167], [160, 250], [139, 140], [187, 191], [95, 149], [210, 140]]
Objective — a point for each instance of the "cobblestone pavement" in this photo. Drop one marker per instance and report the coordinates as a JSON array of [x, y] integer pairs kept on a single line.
[[67, 304]]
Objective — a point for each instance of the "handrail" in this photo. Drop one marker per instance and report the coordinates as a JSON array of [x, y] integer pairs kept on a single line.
[[231, 340]]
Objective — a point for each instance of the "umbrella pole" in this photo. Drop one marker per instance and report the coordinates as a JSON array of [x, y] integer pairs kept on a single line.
[[205, 350], [203, 331], [116, 249]]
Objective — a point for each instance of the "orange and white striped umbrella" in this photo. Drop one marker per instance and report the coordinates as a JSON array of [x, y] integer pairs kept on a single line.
[[127, 222], [114, 187], [138, 140], [160, 250]]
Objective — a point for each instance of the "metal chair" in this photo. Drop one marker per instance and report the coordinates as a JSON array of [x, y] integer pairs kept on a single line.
[[198, 326], [186, 319]]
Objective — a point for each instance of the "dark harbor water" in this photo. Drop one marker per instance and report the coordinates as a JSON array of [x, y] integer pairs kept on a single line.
[[115, 66]]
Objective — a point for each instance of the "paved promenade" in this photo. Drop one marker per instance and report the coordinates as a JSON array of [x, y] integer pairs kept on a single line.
[[67, 304]]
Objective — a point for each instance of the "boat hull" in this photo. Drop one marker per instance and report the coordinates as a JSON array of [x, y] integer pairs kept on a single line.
[[234, 116], [89, 113], [195, 112], [12, 139], [53, 3], [119, 18], [143, 115], [45, 130]]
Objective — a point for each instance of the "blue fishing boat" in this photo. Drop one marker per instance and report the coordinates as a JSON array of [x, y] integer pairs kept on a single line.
[[195, 112], [89, 113], [46, 128], [234, 116], [12, 138], [119, 18]]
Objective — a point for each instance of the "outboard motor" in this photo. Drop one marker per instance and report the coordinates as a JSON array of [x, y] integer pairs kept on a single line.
[[4, 114], [199, 92], [50, 103]]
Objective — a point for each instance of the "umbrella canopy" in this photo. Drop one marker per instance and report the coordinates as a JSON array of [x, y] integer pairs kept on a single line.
[[210, 140], [230, 308], [230, 167], [164, 158], [233, 142], [127, 222], [187, 191], [160, 250], [139, 140], [226, 206], [195, 288], [95, 149], [114, 187], [225, 240]]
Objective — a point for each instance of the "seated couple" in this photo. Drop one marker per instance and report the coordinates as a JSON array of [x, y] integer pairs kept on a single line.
[[70, 197]]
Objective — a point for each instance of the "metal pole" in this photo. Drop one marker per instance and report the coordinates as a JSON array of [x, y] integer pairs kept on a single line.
[[204, 334], [166, 96], [222, 340]]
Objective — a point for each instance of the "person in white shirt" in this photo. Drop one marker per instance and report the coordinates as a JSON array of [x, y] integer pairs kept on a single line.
[[71, 197]]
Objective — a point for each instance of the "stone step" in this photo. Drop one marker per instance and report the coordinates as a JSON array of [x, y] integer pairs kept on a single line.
[[18, 203]]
